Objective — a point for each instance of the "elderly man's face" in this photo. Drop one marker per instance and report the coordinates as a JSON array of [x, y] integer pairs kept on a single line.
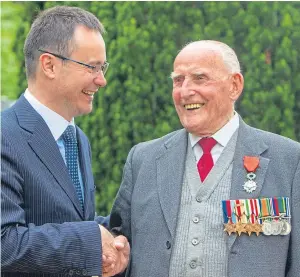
[[75, 83], [203, 90]]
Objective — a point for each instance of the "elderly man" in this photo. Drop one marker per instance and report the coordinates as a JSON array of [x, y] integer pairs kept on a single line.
[[48, 223], [217, 198]]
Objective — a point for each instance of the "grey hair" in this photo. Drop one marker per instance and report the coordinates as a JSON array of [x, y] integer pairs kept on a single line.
[[53, 30], [228, 55]]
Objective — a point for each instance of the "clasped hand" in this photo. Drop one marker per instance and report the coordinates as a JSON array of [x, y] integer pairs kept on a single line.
[[115, 253]]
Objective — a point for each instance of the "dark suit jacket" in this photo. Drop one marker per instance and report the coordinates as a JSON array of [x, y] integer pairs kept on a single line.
[[148, 201], [43, 228]]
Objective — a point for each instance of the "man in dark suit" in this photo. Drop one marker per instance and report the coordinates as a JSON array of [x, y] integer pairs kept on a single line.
[[48, 223], [181, 192]]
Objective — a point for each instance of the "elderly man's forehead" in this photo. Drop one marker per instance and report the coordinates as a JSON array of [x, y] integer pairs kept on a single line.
[[200, 55], [198, 50]]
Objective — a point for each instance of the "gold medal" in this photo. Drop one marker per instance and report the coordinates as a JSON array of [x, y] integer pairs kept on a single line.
[[229, 228], [249, 228], [257, 228], [240, 228]]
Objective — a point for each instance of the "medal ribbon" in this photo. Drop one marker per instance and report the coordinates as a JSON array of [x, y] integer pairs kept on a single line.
[[275, 206], [238, 209], [253, 213], [264, 207], [247, 210], [287, 205], [227, 211], [233, 215], [270, 207], [251, 163], [281, 205]]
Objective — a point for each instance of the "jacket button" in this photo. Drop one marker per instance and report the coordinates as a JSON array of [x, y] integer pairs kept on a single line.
[[71, 272], [196, 219], [193, 264], [198, 199], [168, 244], [195, 241]]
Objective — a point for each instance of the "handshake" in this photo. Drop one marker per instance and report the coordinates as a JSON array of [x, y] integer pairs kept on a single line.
[[115, 253]]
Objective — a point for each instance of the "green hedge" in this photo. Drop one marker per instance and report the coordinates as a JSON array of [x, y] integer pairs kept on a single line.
[[142, 40]]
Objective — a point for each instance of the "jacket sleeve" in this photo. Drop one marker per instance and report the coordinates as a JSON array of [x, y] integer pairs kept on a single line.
[[293, 261], [120, 217], [70, 247]]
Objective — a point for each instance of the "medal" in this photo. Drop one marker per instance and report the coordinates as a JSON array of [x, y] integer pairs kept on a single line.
[[257, 228], [240, 228], [284, 208], [250, 185], [270, 216], [229, 226], [248, 214], [239, 208], [267, 228], [250, 164], [276, 227], [265, 211], [286, 228]]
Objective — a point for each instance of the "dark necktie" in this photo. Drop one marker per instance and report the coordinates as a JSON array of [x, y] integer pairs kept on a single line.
[[206, 162], [71, 153]]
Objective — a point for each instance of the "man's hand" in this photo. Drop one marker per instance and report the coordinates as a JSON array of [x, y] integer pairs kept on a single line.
[[115, 253], [122, 245]]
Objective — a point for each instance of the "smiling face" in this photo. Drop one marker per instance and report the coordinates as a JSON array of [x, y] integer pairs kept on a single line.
[[76, 84], [67, 87], [204, 90]]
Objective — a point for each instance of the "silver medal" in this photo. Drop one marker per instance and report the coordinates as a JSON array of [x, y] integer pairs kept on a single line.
[[250, 185], [276, 227], [267, 228], [286, 228]]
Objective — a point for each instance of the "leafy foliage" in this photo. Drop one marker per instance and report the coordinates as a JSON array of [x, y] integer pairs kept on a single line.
[[142, 41]]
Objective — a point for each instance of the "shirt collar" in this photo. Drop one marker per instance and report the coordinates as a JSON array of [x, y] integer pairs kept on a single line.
[[56, 123], [223, 135]]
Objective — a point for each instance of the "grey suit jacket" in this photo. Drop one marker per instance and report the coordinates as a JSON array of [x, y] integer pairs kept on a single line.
[[146, 206], [44, 231]]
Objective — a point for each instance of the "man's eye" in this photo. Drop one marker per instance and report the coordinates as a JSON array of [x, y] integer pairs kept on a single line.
[[198, 77], [178, 79]]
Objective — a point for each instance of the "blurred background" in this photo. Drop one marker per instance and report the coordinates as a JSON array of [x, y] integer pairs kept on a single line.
[[142, 41]]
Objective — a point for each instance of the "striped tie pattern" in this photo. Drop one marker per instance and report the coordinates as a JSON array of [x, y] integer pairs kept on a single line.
[[71, 152]]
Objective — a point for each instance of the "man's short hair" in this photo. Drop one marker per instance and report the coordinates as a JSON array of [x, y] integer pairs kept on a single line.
[[53, 30]]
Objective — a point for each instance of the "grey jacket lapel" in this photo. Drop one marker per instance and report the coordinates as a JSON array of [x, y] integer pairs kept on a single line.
[[248, 144], [170, 169], [43, 144]]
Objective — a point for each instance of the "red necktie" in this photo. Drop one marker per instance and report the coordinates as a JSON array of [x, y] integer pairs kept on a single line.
[[206, 162]]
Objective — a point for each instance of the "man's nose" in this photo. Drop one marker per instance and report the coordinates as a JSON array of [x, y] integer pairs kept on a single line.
[[100, 80], [186, 82]]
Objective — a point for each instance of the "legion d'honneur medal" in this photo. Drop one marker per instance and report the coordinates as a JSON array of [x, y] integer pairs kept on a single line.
[[250, 164]]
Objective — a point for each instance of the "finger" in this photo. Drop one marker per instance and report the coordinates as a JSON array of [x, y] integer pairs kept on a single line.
[[119, 245]]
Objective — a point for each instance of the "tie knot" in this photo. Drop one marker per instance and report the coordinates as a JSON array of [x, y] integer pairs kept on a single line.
[[207, 144], [69, 135]]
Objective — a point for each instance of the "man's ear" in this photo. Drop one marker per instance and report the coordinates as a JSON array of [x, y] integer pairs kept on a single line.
[[48, 65], [237, 86]]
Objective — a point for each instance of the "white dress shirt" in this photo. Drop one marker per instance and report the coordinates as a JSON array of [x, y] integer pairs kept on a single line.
[[222, 137]]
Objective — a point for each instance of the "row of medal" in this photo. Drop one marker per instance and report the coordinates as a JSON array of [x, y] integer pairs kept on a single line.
[[270, 216]]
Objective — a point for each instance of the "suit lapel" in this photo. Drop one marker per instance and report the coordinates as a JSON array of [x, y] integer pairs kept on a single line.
[[43, 144], [170, 169], [248, 144]]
